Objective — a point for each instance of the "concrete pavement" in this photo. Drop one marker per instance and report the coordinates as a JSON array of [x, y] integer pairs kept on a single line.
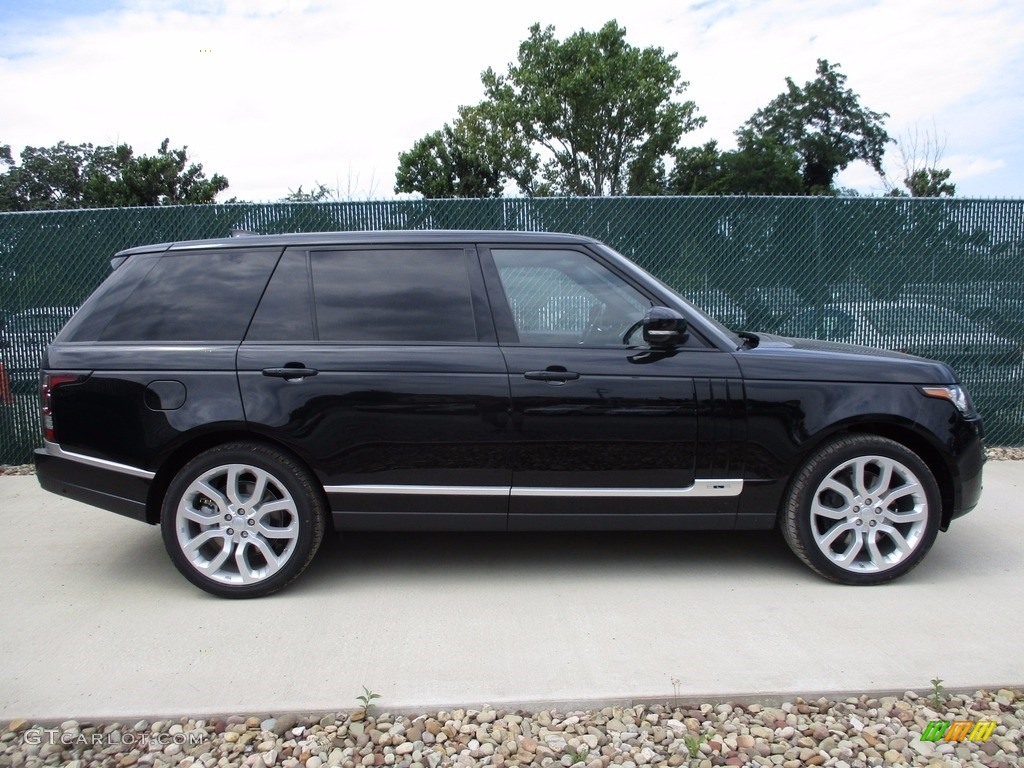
[[97, 623]]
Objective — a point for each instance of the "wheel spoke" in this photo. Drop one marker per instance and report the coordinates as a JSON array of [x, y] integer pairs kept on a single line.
[[820, 510], [900, 492], [885, 478], [220, 558], [845, 491], [847, 558], [897, 517], [212, 493], [826, 541], [245, 571], [196, 516], [290, 531], [859, 471], [877, 558], [193, 546], [274, 561], [903, 547], [258, 489]]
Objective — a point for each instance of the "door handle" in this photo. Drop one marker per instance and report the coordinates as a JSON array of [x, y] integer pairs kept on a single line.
[[558, 377], [290, 373]]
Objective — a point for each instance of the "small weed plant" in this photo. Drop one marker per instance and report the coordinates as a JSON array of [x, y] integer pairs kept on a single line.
[[578, 755], [693, 744], [366, 698]]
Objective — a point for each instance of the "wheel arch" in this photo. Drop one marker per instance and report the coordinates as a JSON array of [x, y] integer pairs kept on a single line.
[[926, 450], [185, 452]]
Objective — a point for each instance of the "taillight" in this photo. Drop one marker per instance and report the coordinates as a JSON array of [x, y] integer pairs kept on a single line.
[[50, 382]]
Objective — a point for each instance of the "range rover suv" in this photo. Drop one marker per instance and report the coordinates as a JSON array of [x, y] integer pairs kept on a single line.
[[248, 394]]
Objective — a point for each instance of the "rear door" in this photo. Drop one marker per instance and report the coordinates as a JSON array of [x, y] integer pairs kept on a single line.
[[380, 367], [609, 433]]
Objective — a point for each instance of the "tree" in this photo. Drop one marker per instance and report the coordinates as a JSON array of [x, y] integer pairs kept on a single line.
[[825, 124], [918, 155], [477, 156], [589, 115], [86, 176], [759, 166], [317, 193], [930, 182]]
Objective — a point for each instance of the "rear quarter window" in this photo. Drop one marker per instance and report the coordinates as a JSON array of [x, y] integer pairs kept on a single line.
[[193, 296], [105, 301]]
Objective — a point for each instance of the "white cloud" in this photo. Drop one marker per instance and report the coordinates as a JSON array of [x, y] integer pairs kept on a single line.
[[277, 93]]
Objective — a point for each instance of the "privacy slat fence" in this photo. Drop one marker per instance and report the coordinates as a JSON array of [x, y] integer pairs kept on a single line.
[[943, 278]]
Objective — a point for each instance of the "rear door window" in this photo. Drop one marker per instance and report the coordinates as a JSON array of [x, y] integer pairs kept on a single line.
[[394, 295], [379, 295]]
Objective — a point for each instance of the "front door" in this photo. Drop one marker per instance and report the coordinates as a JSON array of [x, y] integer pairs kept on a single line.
[[609, 432]]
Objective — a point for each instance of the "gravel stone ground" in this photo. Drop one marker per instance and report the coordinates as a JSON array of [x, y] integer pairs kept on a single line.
[[850, 733]]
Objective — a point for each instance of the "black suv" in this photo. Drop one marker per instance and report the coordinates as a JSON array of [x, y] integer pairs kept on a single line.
[[247, 393]]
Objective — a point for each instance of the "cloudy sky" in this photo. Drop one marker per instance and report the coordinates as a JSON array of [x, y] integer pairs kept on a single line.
[[278, 93]]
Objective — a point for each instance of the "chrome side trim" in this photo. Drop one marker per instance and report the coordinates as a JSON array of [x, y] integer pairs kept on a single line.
[[427, 490], [700, 489], [55, 450]]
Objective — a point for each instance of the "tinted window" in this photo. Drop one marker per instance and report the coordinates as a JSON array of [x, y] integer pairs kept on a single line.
[[566, 297], [414, 295], [286, 311], [194, 296], [97, 311]]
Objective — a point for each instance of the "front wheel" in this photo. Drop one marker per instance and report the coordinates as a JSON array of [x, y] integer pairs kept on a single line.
[[242, 520], [863, 510]]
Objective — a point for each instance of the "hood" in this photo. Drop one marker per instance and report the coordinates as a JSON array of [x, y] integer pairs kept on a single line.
[[781, 358]]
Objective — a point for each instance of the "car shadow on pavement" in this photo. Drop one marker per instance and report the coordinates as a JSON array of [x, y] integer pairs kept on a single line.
[[354, 556]]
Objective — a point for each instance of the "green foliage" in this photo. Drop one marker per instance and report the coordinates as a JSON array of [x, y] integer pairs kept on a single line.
[[366, 698], [578, 755], [474, 157], [86, 176], [318, 193], [588, 115], [938, 694], [930, 182], [693, 744], [824, 123], [760, 166]]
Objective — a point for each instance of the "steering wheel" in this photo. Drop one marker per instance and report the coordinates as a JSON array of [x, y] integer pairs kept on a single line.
[[597, 313], [631, 330]]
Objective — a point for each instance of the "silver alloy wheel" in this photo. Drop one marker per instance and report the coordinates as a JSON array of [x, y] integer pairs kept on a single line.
[[869, 514], [237, 524]]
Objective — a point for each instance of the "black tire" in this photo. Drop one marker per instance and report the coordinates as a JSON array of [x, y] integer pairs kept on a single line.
[[227, 541], [840, 527]]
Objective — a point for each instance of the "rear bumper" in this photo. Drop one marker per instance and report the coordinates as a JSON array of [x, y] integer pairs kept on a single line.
[[89, 481]]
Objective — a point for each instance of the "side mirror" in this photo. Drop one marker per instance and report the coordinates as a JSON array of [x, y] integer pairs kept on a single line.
[[663, 327]]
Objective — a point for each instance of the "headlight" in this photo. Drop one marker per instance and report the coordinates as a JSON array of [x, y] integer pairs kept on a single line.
[[956, 394]]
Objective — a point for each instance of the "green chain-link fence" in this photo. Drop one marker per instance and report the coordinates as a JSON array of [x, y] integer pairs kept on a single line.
[[941, 278]]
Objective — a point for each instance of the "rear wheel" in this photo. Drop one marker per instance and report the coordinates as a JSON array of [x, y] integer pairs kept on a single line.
[[863, 510], [242, 520]]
